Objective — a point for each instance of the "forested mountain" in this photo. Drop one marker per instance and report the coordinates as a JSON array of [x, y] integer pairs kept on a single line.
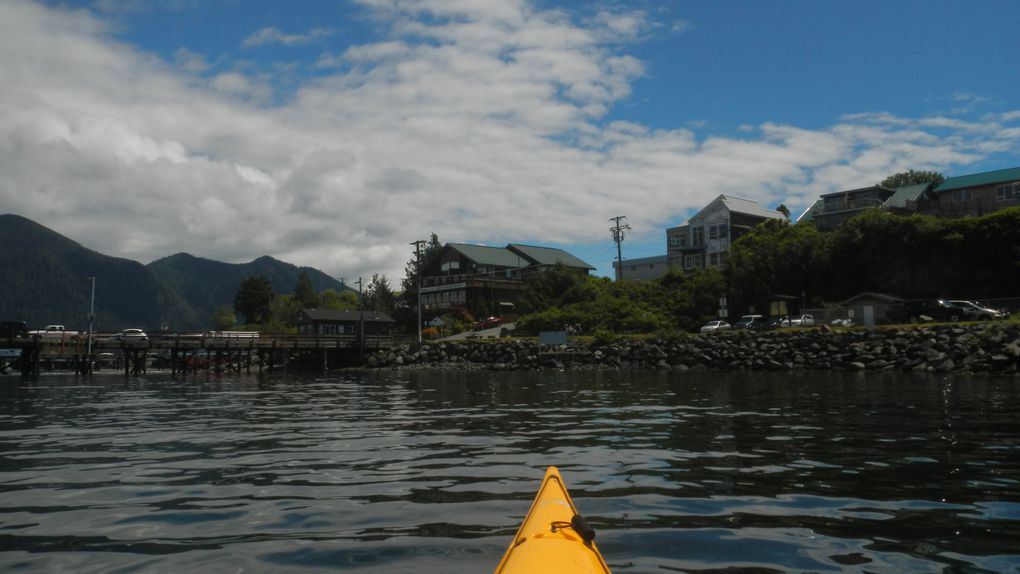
[[44, 278], [207, 284]]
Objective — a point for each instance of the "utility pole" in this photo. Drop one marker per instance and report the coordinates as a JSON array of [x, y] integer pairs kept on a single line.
[[417, 272], [92, 317], [619, 230], [361, 322]]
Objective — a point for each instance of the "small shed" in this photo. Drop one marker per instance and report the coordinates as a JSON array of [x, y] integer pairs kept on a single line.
[[871, 309], [778, 306]]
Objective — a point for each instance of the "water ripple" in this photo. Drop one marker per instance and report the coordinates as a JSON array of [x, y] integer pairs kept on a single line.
[[431, 471]]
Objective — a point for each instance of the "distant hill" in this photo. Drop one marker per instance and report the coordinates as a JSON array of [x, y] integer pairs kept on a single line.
[[44, 280], [207, 284]]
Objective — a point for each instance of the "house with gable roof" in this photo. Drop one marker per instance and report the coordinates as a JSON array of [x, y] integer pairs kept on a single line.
[[484, 279], [830, 210], [973, 195], [834, 208], [705, 239], [962, 196]]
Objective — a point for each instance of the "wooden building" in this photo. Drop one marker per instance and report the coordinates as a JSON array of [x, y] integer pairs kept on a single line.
[[486, 280], [378, 328]]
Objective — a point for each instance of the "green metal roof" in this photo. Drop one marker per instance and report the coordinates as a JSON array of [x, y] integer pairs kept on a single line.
[[980, 179], [548, 256], [495, 256]]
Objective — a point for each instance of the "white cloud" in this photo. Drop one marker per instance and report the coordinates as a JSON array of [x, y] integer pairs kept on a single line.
[[190, 61], [484, 121], [272, 35]]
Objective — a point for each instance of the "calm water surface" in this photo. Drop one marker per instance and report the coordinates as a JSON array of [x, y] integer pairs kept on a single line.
[[433, 471]]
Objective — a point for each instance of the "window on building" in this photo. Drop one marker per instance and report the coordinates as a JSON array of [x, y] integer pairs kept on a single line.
[[961, 195], [717, 230], [699, 260], [713, 259], [688, 262], [1007, 191], [678, 240], [698, 239]]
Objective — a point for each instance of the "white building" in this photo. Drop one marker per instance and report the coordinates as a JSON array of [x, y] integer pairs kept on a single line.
[[704, 241], [642, 268]]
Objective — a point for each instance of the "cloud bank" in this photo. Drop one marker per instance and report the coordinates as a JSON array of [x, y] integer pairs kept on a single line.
[[480, 121]]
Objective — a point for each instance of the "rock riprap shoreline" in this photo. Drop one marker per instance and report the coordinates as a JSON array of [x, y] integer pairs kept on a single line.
[[979, 348]]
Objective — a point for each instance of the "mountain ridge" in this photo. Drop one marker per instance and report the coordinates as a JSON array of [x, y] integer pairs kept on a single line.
[[45, 278]]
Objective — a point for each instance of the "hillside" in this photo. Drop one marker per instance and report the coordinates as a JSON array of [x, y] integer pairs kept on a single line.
[[207, 284], [44, 278]]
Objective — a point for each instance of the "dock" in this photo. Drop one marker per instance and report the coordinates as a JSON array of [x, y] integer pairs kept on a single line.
[[184, 352]]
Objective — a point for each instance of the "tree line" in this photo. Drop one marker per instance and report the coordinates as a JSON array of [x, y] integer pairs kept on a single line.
[[267, 311], [909, 257]]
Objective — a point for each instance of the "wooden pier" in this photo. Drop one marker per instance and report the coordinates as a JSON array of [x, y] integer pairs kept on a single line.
[[185, 353]]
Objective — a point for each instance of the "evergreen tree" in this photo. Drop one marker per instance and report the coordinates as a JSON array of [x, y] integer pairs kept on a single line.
[[378, 295], [429, 250], [304, 292], [253, 299]]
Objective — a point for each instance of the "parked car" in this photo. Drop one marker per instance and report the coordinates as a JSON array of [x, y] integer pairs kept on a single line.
[[750, 322], [715, 326], [801, 321], [975, 312], [846, 322], [131, 335], [488, 323]]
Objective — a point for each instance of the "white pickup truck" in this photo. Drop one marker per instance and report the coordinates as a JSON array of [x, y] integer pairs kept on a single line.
[[56, 331]]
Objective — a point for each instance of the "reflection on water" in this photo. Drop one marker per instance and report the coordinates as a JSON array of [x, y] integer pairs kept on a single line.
[[432, 471]]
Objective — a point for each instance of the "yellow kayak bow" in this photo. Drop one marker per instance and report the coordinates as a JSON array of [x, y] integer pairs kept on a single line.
[[553, 536]]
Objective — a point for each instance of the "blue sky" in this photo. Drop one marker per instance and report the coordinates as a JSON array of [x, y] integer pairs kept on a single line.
[[334, 133]]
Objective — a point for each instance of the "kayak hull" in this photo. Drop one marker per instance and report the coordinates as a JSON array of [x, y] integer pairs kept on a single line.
[[547, 541]]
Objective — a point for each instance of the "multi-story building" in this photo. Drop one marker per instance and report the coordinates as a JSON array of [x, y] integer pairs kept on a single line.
[[963, 196], [973, 195], [486, 279], [704, 241], [835, 208]]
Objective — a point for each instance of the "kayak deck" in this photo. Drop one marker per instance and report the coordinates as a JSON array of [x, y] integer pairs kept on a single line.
[[553, 537]]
